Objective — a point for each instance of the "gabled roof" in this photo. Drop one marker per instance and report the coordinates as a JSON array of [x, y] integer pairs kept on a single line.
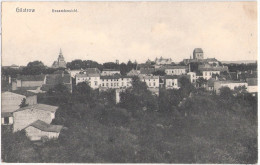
[[115, 76], [92, 71], [148, 77], [221, 69], [43, 107], [147, 70], [24, 92], [252, 81], [41, 125], [176, 67], [6, 114], [88, 75], [31, 77], [171, 77], [54, 79], [112, 70]]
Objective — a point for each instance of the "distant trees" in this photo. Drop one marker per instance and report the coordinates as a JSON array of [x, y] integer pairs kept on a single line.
[[138, 97], [79, 64], [169, 100], [34, 68]]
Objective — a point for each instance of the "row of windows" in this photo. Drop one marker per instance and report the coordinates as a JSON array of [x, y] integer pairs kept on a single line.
[[113, 84]]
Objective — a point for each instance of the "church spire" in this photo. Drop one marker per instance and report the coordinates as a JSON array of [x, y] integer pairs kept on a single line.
[[60, 52]]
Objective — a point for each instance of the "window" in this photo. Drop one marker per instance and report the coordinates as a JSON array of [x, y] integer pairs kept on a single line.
[[95, 83], [154, 84], [149, 84], [103, 84], [107, 84], [6, 120]]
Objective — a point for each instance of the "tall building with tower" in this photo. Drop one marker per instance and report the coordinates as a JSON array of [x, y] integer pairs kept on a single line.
[[198, 54], [60, 63]]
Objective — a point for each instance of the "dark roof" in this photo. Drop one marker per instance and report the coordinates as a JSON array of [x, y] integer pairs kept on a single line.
[[88, 75], [43, 107], [115, 76], [41, 125], [24, 92], [31, 77], [111, 70], [6, 114], [221, 69], [252, 81], [176, 67], [54, 79], [171, 77], [92, 71], [147, 70], [197, 50]]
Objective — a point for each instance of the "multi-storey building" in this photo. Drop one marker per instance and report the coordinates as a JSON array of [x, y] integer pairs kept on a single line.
[[176, 70], [109, 72], [171, 82], [93, 79], [115, 82]]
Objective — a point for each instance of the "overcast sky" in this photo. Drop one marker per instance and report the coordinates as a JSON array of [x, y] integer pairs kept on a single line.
[[106, 31]]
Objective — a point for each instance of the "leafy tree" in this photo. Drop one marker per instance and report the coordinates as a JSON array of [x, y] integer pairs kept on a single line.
[[159, 73], [139, 97], [201, 81], [23, 103], [16, 147], [34, 68], [185, 86]]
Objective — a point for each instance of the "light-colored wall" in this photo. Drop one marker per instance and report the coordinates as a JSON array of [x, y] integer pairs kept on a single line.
[[94, 82], [193, 77], [36, 134], [32, 83], [31, 100], [116, 83], [25, 117], [109, 73], [231, 85], [252, 89], [11, 101], [175, 71], [208, 74], [171, 83], [151, 82], [11, 121]]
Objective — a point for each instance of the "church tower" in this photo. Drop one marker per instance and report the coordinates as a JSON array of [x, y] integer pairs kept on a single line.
[[60, 63]]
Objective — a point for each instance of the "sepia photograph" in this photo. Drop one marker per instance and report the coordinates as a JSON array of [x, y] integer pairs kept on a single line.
[[129, 82]]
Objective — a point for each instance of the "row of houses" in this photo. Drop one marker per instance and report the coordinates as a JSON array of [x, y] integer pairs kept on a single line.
[[41, 83], [34, 118]]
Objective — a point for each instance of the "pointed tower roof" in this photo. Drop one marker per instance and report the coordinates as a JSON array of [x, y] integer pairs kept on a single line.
[[60, 54]]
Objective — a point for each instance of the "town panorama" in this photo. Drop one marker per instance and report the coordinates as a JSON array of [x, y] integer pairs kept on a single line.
[[199, 110]]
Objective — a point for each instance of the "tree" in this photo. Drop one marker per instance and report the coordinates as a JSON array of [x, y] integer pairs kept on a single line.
[[138, 97], [23, 103], [159, 73], [185, 86], [201, 81], [34, 68]]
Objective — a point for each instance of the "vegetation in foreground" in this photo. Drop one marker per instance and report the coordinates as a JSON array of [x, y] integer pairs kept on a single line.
[[181, 126]]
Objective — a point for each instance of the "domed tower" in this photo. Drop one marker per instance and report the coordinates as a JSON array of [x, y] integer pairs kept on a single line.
[[198, 54]]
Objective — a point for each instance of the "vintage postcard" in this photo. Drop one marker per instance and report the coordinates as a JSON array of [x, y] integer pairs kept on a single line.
[[129, 82]]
